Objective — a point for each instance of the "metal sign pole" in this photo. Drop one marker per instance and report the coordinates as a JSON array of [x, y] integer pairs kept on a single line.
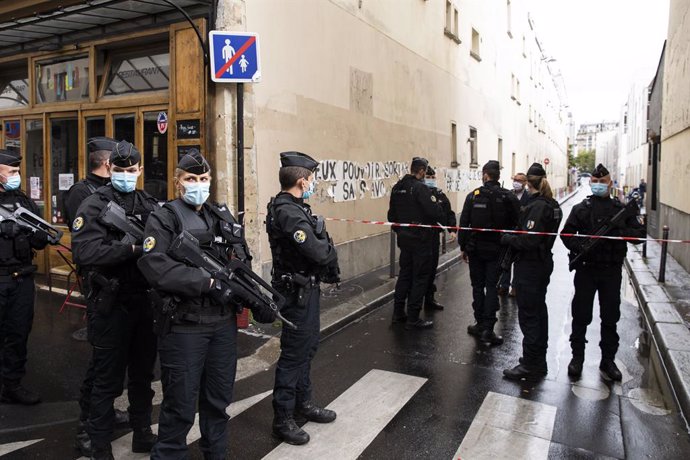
[[240, 152]]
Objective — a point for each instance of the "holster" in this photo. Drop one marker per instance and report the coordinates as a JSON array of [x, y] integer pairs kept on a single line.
[[101, 291], [301, 285], [164, 311]]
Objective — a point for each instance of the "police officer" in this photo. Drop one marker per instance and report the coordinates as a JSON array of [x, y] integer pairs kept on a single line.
[[533, 267], [520, 191], [412, 202], [17, 290], [118, 311], [448, 220], [303, 256], [198, 354], [99, 175], [600, 271], [489, 206]]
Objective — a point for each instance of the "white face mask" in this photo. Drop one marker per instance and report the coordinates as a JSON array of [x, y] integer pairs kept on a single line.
[[518, 186]]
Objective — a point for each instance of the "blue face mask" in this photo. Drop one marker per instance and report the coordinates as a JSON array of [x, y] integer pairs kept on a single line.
[[600, 190], [310, 191], [431, 183], [13, 182], [196, 194], [124, 182]]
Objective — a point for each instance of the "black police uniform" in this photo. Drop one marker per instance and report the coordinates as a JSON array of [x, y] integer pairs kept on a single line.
[[119, 315], [599, 272], [507, 274], [303, 257], [17, 291], [198, 354], [412, 202], [489, 206], [533, 268], [448, 220]]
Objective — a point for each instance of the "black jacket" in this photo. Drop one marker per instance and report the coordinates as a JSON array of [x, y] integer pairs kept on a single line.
[[412, 202], [586, 217], [297, 245], [448, 216], [78, 193], [541, 214], [16, 242]]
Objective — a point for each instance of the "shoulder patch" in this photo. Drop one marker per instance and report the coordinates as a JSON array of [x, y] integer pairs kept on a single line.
[[77, 224], [433, 198], [149, 243], [530, 224], [477, 192], [300, 236]]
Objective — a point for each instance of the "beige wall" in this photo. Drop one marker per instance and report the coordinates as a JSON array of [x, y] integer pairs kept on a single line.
[[675, 164], [383, 83]]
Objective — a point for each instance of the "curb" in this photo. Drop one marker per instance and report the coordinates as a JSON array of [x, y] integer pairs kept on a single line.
[[670, 335]]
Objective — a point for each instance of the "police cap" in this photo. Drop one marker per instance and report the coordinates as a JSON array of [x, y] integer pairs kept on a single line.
[[10, 158], [193, 162], [492, 166], [600, 171], [419, 162], [430, 171], [101, 143], [536, 170], [298, 159], [124, 155]]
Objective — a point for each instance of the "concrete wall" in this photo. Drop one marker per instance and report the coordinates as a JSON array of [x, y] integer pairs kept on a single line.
[[633, 152], [380, 81]]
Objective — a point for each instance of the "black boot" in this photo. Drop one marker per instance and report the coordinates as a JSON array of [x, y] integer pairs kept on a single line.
[[17, 394], [419, 324], [102, 453], [575, 366], [285, 429], [433, 305], [82, 442], [475, 330], [121, 418], [488, 336], [143, 440], [313, 413], [523, 371], [399, 319], [610, 371]]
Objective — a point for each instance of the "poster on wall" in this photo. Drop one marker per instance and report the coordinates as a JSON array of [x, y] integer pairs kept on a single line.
[[35, 187], [65, 181]]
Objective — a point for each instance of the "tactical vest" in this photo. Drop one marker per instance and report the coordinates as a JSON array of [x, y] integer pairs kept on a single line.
[[490, 207], [15, 247]]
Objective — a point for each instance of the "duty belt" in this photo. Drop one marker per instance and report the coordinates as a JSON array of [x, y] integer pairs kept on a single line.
[[17, 271], [202, 319]]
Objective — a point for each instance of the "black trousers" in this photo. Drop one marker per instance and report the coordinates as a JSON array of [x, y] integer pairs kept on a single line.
[[297, 349], [16, 319], [196, 365], [484, 276], [123, 341], [435, 254], [413, 279], [531, 280], [607, 282]]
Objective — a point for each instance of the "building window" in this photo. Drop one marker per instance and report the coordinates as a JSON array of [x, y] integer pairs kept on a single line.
[[524, 47], [514, 88], [500, 151], [510, 19], [454, 145], [139, 73], [512, 165], [476, 40], [452, 28], [530, 113], [473, 147], [62, 79], [14, 86]]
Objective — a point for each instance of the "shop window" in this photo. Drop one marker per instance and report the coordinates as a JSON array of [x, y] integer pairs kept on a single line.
[[64, 135], [13, 135], [62, 79], [155, 157], [34, 163], [95, 127], [14, 93], [139, 74], [123, 127]]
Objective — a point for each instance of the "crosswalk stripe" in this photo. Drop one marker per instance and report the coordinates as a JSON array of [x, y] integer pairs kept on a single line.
[[11, 447], [507, 427], [122, 446], [380, 394]]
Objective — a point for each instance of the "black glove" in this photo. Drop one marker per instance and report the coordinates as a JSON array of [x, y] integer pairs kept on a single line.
[[9, 228], [220, 293], [506, 238], [263, 315]]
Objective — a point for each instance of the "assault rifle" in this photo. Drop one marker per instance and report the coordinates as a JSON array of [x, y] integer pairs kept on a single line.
[[243, 282], [630, 209], [115, 217], [25, 218], [505, 260]]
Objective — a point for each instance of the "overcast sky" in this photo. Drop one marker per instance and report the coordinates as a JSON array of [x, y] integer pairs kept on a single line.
[[602, 48]]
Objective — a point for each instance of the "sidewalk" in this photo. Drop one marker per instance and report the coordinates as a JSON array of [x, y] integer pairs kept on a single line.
[[666, 307]]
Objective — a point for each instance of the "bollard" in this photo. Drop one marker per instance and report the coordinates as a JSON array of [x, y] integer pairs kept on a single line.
[[392, 256], [644, 245], [662, 262]]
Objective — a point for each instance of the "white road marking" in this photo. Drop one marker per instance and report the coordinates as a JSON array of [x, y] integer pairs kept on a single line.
[[507, 427], [380, 394], [11, 447], [122, 446]]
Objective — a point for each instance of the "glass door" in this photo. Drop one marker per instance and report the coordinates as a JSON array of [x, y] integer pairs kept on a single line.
[[33, 163], [124, 127], [155, 155], [64, 162]]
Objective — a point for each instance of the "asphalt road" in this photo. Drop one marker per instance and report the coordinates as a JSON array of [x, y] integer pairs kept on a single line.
[[440, 394]]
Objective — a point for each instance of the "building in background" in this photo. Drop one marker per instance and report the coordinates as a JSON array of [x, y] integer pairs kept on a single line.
[[363, 86], [607, 151], [586, 138], [674, 166], [632, 158], [656, 91]]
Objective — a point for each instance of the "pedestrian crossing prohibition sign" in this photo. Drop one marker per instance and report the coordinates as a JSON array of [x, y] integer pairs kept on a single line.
[[234, 57]]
